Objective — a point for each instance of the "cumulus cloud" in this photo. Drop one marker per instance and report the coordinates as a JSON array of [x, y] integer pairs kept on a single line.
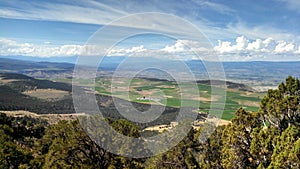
[[227, 47], [259, 45], [127, 51], [177, 47], [180, 50], [241, 49], [11, 47], [283, 46], [258, 49], [256, 45], [184, 46], [267, 41], [241, 43]]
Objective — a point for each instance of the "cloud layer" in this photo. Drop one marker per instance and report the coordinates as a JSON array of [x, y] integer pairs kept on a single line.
[[259, 49], [11, 47], [269, 45], [243, 49]]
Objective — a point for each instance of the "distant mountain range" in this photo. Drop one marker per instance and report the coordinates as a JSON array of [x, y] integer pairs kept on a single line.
[[258, 73]]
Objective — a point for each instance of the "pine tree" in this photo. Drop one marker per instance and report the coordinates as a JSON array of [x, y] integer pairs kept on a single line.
[[237, 139], [281, 107]]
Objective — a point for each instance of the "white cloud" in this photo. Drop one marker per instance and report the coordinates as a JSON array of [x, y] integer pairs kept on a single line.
[[86, 12], [11, 47], [283, 46], [259, 49], [242, 49], [127, 51], [224, 47], [267, 41], [241, 43], [256, 45], [177, 47], [180, 50], [227, 47]]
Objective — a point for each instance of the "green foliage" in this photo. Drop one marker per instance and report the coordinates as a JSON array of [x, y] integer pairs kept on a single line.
[[286, 153], [209, 151], [237, 139], [263, 143], [180, 156], [66, 145], [11, 155], [281, 107]]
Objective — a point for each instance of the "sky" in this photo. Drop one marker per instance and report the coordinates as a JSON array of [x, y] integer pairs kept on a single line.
[[237, 30]]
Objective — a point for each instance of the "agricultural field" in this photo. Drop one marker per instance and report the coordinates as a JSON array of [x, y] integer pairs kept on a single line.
[[162, 92]]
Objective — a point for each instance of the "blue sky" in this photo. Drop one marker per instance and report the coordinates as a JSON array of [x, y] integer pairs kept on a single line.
[[238, 30]]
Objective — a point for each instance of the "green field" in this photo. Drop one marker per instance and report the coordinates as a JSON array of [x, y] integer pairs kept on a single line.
[[168, 93]]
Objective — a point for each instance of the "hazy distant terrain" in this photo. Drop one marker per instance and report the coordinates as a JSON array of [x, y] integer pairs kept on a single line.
[[258, 75]]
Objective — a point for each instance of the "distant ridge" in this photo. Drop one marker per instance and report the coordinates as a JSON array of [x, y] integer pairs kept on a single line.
[[230, 85], [36, 69], [257, 74]]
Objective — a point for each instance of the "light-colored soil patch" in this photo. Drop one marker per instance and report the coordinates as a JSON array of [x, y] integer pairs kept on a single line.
[[169, 96], [204, 99], [120, 88], [217, 121], [47, 94], [248, 103], [118, 82], [50, 118], [161, 128], [247, 94], [250, 94], [19, 113], [138, 83], [196, 125], [212, 98], [5, 81], [264, 88], [146, 92], [166, 86], [223, 122]]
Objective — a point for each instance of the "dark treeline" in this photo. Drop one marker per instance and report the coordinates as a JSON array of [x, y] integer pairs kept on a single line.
[[269, 138]]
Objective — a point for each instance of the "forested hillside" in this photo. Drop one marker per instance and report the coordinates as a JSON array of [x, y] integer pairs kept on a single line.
[[269, 138]]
